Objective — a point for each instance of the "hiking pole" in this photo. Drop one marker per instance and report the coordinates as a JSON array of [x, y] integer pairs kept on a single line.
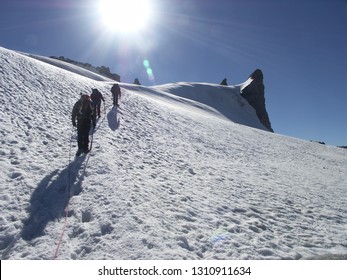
[[91, 140], [69, 162], [72, 130]]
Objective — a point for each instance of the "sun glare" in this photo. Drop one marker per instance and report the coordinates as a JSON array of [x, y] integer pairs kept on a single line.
[[124, 15]]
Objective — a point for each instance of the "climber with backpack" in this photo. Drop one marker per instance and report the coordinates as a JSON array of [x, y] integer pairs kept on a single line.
[[116, 93], [96, 98], [84, 114]]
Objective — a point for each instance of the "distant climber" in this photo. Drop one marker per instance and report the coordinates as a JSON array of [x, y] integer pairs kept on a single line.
[[96, 98], [224, 82], [84, 114], [116, 93]]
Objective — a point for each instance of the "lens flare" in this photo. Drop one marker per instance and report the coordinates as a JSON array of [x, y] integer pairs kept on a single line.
[[219, 236], [149, 70], [146, 63]]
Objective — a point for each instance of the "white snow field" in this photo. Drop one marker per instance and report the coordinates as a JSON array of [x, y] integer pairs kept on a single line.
[[179, 172]]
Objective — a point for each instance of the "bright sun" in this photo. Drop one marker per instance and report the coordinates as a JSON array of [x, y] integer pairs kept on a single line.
[[124, 15]]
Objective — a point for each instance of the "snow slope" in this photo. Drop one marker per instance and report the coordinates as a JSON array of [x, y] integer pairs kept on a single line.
[[168, 177], [225, 100]]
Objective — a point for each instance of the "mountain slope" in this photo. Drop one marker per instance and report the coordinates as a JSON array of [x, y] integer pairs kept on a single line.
[[167, 178], [226, 101]]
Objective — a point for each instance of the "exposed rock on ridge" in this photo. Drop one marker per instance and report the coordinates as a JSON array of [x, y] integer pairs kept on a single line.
[[255, 95]]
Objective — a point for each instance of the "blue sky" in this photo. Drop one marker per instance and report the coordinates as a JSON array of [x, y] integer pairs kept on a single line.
[[300, 45]]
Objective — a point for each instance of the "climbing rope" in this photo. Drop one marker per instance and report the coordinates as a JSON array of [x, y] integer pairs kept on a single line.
[[68, 200], [69, 186]]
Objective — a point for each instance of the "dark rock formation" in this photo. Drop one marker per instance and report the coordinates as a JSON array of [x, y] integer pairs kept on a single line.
[[318, 142], [224, 82], [255, 95], [137, 82], [102, 70]]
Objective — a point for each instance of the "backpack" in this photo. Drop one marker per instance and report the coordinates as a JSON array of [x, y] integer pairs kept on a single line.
[[85, 111], [96, 96], [115, 89]]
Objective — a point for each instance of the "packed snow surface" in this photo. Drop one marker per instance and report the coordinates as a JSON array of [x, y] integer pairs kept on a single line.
[[173, 174]]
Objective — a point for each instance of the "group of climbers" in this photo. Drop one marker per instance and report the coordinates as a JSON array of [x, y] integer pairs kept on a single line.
[[85, 113]]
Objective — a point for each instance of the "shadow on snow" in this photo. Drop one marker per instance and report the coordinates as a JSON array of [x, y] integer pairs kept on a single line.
[[50, 198], [112, 118]]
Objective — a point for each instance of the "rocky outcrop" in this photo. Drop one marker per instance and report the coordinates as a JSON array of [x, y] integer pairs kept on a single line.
[[255, 95], [137, 82], [224, 82]]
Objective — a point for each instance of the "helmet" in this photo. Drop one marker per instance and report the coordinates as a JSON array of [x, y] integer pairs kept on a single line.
[[85, 94]]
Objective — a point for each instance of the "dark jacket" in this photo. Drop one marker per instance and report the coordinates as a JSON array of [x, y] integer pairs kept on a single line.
[[116, 90], [96, 97]]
